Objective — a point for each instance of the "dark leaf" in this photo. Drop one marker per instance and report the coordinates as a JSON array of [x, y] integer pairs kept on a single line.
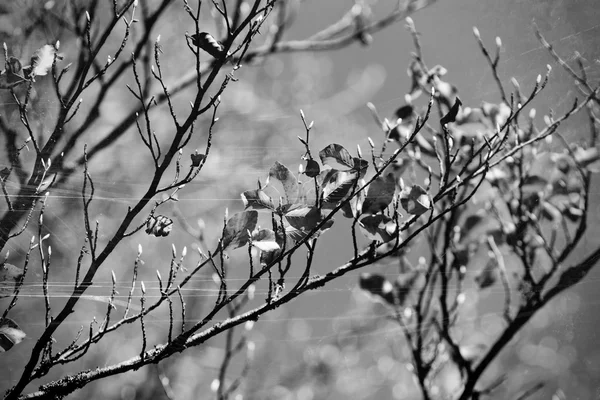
[[360, 165], [533, 184], [404, 112], [336, 153], [451, 116], [488, 274], [477, 226], [303, 217], [10, 334], [257, 200], [10, 275], [378, 227], [208, 43], [415, 201], [377, 285], [312, 168], [237, 227], [4, 173], [354, 206], [380, 194], [290, 184], [197, 159], [404, 285]]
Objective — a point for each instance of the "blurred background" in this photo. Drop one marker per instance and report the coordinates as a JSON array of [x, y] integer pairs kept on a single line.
[[331, 343]]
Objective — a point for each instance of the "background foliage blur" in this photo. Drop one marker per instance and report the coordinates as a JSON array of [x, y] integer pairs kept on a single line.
[[330, 343]]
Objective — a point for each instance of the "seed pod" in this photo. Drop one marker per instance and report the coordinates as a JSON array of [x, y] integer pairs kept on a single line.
[[159, 226]]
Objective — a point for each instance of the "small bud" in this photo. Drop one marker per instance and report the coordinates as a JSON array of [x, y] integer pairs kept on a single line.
[[498, 41], [87, 16], [113, 276], [371, 142], [250, 347], [50, 247], [476, 33], [216, 278], [57, 45], [184, 251], [249, 325], [215, 384], [539, 79], [173, 250], [532, 113], [358, 151], [143, 287], [312, 123], [515, 83], [139, 249], [548, 68], [158, 39], [158, 275], [300, 169], [460, 299], [251, 291]]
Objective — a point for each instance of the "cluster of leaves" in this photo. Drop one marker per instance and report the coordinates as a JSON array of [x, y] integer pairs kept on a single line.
[[531, 206]]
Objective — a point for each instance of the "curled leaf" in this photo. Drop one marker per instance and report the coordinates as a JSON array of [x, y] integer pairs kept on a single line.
[[378, 227], [452, 113], [10, 334], [208, 43], [237, 227], [197, 159], [257, 200], [264, 240], [335, 153]]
